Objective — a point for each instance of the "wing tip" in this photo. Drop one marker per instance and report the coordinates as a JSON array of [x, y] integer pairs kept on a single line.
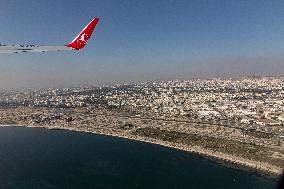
[[81, 39]]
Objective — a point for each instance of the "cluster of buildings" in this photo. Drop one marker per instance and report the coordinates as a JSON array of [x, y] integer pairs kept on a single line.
[[252, 103]]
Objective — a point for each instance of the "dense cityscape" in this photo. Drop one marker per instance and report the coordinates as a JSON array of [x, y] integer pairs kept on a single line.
[[245, 114]]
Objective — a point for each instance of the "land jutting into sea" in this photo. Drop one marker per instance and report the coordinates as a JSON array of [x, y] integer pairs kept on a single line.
[[234, 121]]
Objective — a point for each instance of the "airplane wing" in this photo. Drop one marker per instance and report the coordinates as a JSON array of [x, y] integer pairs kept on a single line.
[[78, 43]]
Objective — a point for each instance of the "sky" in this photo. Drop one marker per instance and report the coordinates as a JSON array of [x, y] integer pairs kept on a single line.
[[141, 40]]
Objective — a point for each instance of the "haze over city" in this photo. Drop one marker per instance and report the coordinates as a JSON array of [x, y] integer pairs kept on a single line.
[[142, 40], [141, 94]]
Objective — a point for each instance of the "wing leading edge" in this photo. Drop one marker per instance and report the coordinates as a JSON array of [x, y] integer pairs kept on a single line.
[[78, 43]]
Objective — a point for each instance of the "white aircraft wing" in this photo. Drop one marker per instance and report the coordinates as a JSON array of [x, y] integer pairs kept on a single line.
[[78, 43]]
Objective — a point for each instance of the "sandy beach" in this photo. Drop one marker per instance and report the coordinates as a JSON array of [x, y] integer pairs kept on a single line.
[[226, 158]]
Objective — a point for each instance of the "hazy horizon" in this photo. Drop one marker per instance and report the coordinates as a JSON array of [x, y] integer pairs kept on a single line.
[[141, 41]]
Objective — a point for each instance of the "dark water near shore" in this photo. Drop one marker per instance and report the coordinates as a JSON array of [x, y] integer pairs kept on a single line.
[[39, 158]]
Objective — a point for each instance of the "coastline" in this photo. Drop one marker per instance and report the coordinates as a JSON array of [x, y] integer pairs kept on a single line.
[[218, 156]]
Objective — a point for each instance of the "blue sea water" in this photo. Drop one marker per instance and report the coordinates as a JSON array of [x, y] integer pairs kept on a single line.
[[58, 159]]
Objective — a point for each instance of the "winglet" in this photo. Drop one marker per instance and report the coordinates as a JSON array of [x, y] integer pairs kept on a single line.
[[81, 40]]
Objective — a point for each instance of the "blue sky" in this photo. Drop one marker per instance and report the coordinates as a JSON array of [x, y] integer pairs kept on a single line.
[[141, 40]]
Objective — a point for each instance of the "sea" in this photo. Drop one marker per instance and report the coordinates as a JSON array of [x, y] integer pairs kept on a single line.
[[38, 158]]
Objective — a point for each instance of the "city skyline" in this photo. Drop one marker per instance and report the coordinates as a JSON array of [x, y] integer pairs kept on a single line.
[[141, 41]]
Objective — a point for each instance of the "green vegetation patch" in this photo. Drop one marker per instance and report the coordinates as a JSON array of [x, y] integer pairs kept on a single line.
[[127, 126], [258, 134], [241, 149]]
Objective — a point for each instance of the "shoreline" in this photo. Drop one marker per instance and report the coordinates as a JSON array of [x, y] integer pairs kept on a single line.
[[260, 167]]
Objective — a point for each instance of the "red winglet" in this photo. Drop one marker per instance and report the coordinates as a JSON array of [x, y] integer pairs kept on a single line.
[[81, 40]]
